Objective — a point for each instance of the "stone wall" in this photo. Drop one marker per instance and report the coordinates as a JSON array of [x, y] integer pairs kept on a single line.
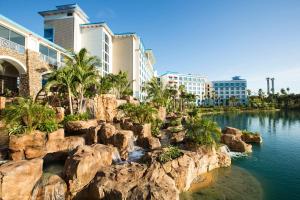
[[31, 80]]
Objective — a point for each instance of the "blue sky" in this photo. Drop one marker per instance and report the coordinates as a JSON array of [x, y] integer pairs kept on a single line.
[[214, 38]]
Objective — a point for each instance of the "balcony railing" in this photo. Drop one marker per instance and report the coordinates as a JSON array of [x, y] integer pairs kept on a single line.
[[12, 45]]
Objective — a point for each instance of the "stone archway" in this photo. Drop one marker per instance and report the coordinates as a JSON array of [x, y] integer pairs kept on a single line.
[[10, 72]]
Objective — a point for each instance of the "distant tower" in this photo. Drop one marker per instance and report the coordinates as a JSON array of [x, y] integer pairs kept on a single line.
[[273, 89], [268, 85]]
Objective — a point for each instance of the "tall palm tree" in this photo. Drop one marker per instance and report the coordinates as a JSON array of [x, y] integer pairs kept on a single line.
[[156, 93], [63, 79], [86, 73]]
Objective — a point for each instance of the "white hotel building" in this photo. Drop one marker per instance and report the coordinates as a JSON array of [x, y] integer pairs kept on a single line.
[[69, 27], [194, 84]]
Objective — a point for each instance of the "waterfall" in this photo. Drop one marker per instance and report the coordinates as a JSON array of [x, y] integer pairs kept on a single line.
[[116, 156], [232, 154]]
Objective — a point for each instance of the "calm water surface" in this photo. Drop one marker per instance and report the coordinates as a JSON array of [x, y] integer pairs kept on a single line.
[[272, 171]]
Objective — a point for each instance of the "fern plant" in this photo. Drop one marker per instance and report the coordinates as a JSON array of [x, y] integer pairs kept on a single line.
[[25, 116]]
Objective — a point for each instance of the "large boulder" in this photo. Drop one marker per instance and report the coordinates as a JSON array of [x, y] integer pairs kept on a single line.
[[27, 146], [50, 187], [131, 181], [58, 149], [142, 130], [106, 133], [235, 143], [252, 138], [124, 141], [58, 134], [186, 168], [105, 107], [81, 167], [232, 131], [18, 178], [148, 142], [80, 127]]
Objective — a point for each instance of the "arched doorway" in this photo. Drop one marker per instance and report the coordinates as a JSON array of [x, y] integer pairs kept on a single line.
[[10, 71]]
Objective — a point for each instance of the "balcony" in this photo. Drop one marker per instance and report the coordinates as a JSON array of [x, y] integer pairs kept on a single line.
[[51, 61], [12, 45]]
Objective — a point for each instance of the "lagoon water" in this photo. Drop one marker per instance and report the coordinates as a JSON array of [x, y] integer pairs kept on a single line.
[[271, 172]]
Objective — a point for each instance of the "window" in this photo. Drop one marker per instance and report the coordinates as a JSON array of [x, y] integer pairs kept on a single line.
[[106, 38], [49, 34], [12, 36], [48, 51], [4, 32], [69, 14]]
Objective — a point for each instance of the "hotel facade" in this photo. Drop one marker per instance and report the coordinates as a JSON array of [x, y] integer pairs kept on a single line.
[[194, 84], [69, 27], [224, 90], [25, 57]]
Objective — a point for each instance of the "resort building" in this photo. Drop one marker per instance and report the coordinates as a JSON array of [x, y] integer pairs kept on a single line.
[[24, 58], [194, 84], [130, 55], [226, 90], [69, 27]]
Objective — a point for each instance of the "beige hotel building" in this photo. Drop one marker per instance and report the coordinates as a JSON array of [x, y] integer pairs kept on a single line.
[[67, 27]]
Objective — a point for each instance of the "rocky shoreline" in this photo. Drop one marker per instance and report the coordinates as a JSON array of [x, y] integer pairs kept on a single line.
[[111, 157]]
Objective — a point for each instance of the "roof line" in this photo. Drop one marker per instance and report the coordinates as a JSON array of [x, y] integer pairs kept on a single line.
[[30, 32]]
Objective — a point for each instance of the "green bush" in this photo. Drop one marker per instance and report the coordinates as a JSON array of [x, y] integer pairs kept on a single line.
[[203, 131], [156, 125], [175, 129], [48, 126], [25, 116], [169, 154], [76, 117], [142, 113], [175, 122], [245, 132]]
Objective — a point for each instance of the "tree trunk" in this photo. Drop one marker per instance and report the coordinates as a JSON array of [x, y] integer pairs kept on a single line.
[[70, 101]]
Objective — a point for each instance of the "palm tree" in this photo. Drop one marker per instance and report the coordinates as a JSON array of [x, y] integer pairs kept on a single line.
[[63, 79], [86, 73], [121, 85], [158, 94], [182, 91]]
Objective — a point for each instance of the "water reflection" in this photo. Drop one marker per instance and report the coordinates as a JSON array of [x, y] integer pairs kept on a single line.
[[269, 120], [232, 183]]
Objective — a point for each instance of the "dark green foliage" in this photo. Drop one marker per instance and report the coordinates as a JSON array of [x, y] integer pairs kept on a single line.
[[203, 131], [76, 117], [245, 132], [48, 126], [175, 129], [156, 125], [175, 122], [142, 113], [25, 116], [169, 154]]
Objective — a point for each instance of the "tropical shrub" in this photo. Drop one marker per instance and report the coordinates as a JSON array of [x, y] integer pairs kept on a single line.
[[76, 117], [169, 154], [25, 116], [203, 131], [156, 125], [175, 122], [142, 113], [48, 126], [245, 132]]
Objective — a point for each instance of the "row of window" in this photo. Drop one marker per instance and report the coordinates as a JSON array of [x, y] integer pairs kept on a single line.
[[229, 84], [232, 92], [230, 88], [12, 36]]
